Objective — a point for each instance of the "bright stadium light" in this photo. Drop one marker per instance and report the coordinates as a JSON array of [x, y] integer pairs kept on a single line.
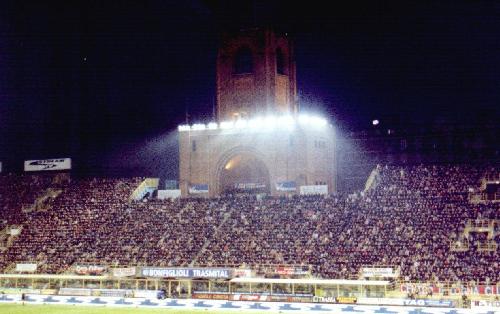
[[184, 127], [198, 127], [318, 121], [286, 121], [312, 121], [241, 124], [212, 126], [226, 125], [375, 122], [270, 122], [257, 123], [304, 119]]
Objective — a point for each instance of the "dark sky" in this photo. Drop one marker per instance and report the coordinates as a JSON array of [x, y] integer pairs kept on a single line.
[[100, 80]]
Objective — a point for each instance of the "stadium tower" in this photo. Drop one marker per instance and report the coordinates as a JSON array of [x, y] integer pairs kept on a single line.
[[260, 143], [255, 75]]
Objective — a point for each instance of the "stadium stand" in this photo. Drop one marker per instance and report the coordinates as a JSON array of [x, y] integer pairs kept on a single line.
[[409, 218]]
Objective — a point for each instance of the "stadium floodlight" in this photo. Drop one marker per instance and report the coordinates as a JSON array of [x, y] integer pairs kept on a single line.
[[375, 122], [312, 121], [304, 119], [318, 121], [270, 122], [198, 127], [212, 126], [256, 124], [286, 121], [241, 124], [184, 127], [226, 125]]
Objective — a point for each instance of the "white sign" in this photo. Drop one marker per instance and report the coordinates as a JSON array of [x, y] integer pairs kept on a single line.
[[242, 273], [314, 190], [123, 272], [47, 164], [26, 268], [168, 194], [378, 272], [492, 305], [14, 231], [198, 188]]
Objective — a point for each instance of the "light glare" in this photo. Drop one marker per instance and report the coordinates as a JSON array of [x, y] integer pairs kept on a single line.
[[198, 127]]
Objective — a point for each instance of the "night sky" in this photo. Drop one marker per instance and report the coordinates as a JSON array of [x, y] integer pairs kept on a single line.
[[107, 82]]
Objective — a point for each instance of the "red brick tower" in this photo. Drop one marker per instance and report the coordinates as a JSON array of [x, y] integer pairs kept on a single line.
[[255, 75]]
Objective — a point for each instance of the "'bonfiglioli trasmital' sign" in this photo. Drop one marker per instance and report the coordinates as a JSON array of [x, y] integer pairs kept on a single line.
[[186, 272]]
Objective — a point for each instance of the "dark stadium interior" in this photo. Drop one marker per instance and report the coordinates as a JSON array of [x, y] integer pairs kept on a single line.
[[95, 80]]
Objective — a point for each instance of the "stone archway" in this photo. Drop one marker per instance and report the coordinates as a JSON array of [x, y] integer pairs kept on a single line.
[[243, 170]]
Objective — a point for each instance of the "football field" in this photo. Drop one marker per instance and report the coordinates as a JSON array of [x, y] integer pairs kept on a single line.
[[71, 309]]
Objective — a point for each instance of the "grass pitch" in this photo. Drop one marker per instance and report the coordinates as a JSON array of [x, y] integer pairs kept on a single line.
[[72, 309]]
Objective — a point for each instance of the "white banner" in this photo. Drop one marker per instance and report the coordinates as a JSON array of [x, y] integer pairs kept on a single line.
[[47, 164], [14, 231], [387, 272], [168, 194], [242, 273], [314, 189], [484, 304], [123, 272], [26, 268], [198, 188]]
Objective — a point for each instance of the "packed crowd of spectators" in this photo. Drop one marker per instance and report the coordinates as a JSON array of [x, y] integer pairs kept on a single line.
[[17, 194], [80, 217], [406, 220]]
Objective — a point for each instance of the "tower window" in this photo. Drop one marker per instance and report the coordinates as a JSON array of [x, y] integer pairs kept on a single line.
[[280, 62], [243, 62]]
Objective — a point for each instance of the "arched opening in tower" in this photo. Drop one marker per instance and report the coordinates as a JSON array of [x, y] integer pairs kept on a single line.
[[245, 174]]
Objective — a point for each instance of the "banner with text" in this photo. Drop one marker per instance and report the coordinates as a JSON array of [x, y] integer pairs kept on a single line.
[[249, 186], [215, 273], [289, 270], [486, 304], [386, 272], [123, 272], [242, 273], [89, 270], [198, 188], [47, 164], [287, 186], [314, 190], [168, 194]]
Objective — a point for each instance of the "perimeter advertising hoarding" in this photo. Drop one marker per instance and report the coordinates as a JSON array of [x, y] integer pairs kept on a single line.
[[123, 272], [428, 303], [386, 272], [485, 304], [160, 272], [90, 270], [47, 164], [458, 290], [288, 270], [210, 296]]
